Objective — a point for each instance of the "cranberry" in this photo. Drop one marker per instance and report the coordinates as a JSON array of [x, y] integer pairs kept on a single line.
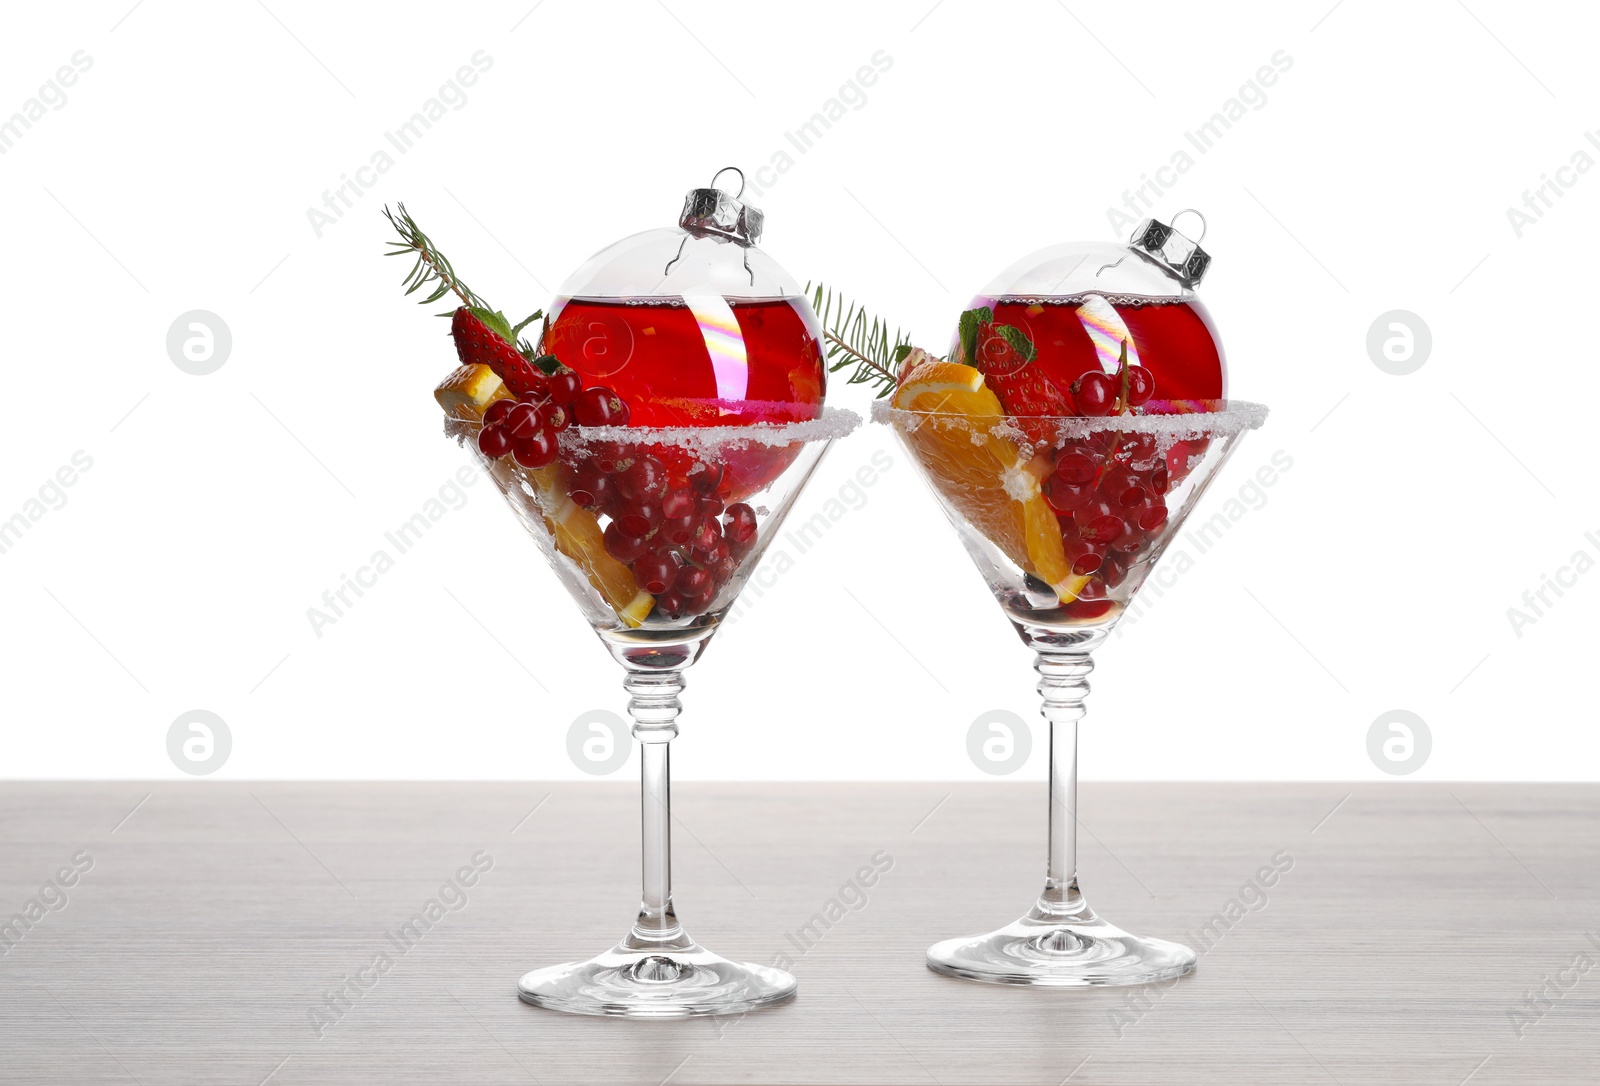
[[644, 480], [599, 406], [555, 416], [1141, 385], [590, 486], [1064, 497], [739, 523], [657, 570], [537, 449], [1095, 393], [1077, 467], [496, 412], [493, 441], [565, 386], [521, 421], [622, 546], [637, 518]]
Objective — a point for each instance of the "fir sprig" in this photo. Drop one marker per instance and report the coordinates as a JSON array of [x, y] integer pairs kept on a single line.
[[852, 337], [431, 268]]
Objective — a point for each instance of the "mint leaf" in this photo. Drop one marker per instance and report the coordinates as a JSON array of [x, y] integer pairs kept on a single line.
[[549, 364], [496, 323], [967, 331], [1018, 339], [516, 329]]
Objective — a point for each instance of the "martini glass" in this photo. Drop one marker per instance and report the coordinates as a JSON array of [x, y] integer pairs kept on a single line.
[[1064, 579], [742, 481]]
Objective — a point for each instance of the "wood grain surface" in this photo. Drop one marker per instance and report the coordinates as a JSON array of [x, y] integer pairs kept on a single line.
[[202, 943]]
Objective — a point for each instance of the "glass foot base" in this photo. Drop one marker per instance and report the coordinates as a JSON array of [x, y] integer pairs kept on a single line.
[[681, 982], [1052, 952]]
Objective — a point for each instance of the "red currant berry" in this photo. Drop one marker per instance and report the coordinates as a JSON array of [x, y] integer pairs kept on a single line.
[[1098, 522], [1115, 570], [494, 442], [534, 388], [536, 450], [1141, 385], [637, 518], [707, 534], [521, 421], [1094, 394], [679, 503], [695, 581], [1077, 466], [709, 479], [555, 416], [590, 486], [1064, 497], [656, 571], [644, 480], [1153, 516], [565, 386], [670, 605], [620, 545], [1085, 557], [496, 411], [739, 523], [599, 406]]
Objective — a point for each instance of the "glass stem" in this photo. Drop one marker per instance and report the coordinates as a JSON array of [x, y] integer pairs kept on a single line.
[[1063, 684], [653, 703]]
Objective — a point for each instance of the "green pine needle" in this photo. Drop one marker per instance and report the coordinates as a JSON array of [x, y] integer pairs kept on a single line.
[[852, 338], [431, 269]]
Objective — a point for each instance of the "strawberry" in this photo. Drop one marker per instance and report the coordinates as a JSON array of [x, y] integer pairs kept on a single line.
[[478, 343], [1025, 391]]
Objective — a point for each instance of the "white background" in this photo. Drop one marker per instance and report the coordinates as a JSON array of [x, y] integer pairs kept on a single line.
[[1376, 176]]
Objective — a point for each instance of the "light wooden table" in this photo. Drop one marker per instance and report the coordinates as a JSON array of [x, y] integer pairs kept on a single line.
[[216, 917]]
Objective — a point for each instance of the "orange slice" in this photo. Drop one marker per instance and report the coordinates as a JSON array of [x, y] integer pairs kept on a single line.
[[578, 535], [468, 390], [982, 473]]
